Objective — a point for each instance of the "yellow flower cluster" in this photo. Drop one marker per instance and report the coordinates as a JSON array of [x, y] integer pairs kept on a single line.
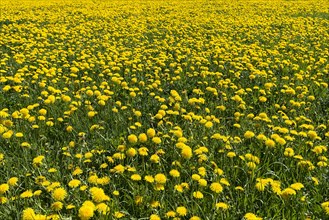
[[164, 109]]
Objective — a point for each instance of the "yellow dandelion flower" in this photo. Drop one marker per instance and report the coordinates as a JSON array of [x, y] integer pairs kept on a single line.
[[202, 182], [103, 208], [160, 178], [42, 111], [198, 195], [150, 132], [118, 214], [98, 195], [230, 154], [312, 135], [56, 206], [131, 152], [181, 211], [19, 134], [132, 139], [251, 165], [69, 128], [37, 193], [218, 171], [86, 212], [8, 134], [25, 145], [88, 155], [315, 180], [116, 193], [155, 158], [281, 141], [186, 152], [216, 187], [138, 200], [249, 134], [325, 204], [77, 172], [119, 168], [251, 216], [59, 194], [74, 69], [4, 188], [287, 192], [174, 173], [26, 194], [136, 177], [28, 214], [159, 187], [297, 186], [270, 143], [52, 170], [155, 217], [222, 206], [179, 188], [171, 214], [149, 178], [74, 183], [289, 152], [196, 177], [143, 151], [3, 200], [224, 182], [155, 204], [142, 137], [208, 124], [156, 140]]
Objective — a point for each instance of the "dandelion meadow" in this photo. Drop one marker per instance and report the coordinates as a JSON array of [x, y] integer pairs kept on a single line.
[[164, 109]]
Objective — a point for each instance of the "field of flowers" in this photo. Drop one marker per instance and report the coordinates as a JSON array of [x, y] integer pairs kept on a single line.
[[164, 109]]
